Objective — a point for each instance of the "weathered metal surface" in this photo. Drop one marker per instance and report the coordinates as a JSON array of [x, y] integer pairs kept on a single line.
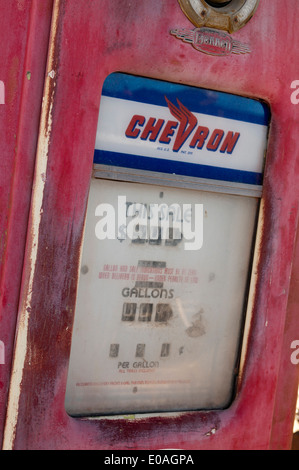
[[24, 34], [134, 37], [227, 15]]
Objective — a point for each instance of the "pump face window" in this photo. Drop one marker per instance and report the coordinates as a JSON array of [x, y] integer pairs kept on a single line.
[[167, 252]]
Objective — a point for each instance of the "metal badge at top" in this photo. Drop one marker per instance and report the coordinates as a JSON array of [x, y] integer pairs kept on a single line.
[[211, 41], [215, 21], [229, 16]]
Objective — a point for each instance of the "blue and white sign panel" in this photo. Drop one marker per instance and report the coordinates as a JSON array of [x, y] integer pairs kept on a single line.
[[153, 125], [164, 270]]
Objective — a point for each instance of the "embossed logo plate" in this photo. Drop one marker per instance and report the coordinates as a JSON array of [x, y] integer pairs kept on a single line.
[[211, 41]]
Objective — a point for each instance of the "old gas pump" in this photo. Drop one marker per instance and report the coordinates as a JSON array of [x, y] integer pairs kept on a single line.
[[158, 303]]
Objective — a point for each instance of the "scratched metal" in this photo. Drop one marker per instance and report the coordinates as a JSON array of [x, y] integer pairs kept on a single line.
[[90, 40], [24, 36]]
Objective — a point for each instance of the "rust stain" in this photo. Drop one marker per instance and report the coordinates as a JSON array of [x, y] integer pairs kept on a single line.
[[11, 86]]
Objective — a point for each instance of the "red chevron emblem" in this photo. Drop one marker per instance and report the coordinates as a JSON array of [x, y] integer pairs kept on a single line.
[[187, 122]]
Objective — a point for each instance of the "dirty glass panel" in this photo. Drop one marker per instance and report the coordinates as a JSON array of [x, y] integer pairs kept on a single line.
[[161, 299]]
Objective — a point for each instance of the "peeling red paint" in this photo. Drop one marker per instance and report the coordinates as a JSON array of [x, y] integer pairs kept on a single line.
[[134, 37], [24, 36]]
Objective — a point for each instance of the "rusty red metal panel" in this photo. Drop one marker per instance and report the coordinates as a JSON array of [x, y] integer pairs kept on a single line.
[[134, 37], [286, 396], [24, 34]]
